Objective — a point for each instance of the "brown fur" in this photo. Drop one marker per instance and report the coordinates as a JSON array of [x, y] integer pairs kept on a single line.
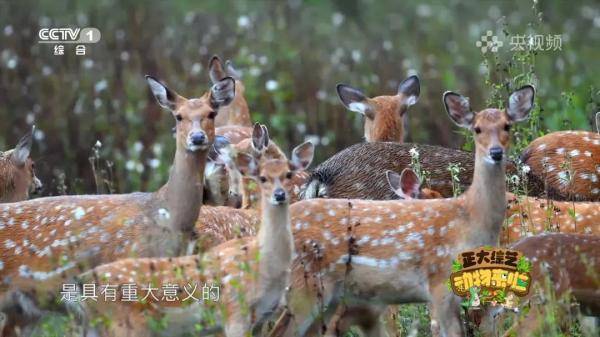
[[233, 261], [48, 240], [16, 181], [565, 260], [556, 154]]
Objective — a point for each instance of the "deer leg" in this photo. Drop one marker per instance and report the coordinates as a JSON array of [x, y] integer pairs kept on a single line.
[[445, 313]]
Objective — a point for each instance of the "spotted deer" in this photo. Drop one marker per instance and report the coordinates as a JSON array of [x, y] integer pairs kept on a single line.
[[565, 263], [46, 240], [262, 148], [392, 252], [17, 172], [252, 271], [384, 115], [237, 112], [526, 216], [566, 165]]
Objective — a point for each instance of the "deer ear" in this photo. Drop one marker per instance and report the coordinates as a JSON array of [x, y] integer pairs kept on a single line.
[[222, 92], [354, 100], [459, 109], [166, 97], [520, 103], [302, 156], [410, 88], [215, 69], [410, 183], [23, 148], [247, 165], [232, 71], [258, 137], [266, 133], [393, 180]]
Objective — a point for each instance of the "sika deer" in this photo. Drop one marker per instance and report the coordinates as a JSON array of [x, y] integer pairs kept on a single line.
[[17, 172], [394, 252], [46, 240], [237, 112], [527, 216], [253, 270], [358, 172], [569, 262], [384, 115], [566, 165]]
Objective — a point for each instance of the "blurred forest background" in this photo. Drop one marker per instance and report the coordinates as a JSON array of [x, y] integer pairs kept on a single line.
[[292, 54]]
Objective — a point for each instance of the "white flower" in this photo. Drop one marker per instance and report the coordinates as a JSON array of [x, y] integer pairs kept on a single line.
[[525, 169], [98, 144], [414, 152], [243, 21]]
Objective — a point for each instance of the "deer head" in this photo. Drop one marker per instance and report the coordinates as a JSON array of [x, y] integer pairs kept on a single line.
[[17, 172], [383, 114], [194, 117]]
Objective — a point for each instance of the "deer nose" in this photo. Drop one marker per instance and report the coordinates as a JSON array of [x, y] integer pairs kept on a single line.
[[279, 195], [496, 153], [198, 138]]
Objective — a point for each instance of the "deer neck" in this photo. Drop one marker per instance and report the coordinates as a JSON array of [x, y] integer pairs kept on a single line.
[[183, 191], [275, 245], [275, 234], [486, 201]]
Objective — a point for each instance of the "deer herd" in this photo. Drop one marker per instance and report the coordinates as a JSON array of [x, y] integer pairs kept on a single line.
[[298, 252]]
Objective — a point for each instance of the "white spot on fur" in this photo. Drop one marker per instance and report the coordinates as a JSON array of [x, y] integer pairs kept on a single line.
[[574, 153], [78, 213]]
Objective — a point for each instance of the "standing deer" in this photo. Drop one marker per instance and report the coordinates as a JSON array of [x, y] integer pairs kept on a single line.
[[394, 252], [237, 112], [569, 263], [253, 271], [17, 172], [384, 115], [565, 164], [44, 241]]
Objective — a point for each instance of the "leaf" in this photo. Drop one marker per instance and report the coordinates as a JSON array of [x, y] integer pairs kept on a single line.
[[523, 265], [456, 266]]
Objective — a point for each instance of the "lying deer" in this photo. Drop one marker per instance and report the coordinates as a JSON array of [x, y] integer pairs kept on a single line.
[[392, 252], [17, 172], [566, 165], [44, 241], [568, 262], [358, 172], [384, 115], [253, 271], [237, 112]]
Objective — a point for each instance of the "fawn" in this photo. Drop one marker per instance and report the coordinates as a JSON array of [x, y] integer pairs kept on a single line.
[[254, 271], [384, 120], [45, 240], [237, 112], [17, 172], [394, 252], [566, 164], [562, 262]]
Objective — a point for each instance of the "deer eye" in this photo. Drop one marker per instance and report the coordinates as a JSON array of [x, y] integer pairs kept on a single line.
[[262, 179], [289, 175], [507, 127], [477, 130], [178, 118]]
